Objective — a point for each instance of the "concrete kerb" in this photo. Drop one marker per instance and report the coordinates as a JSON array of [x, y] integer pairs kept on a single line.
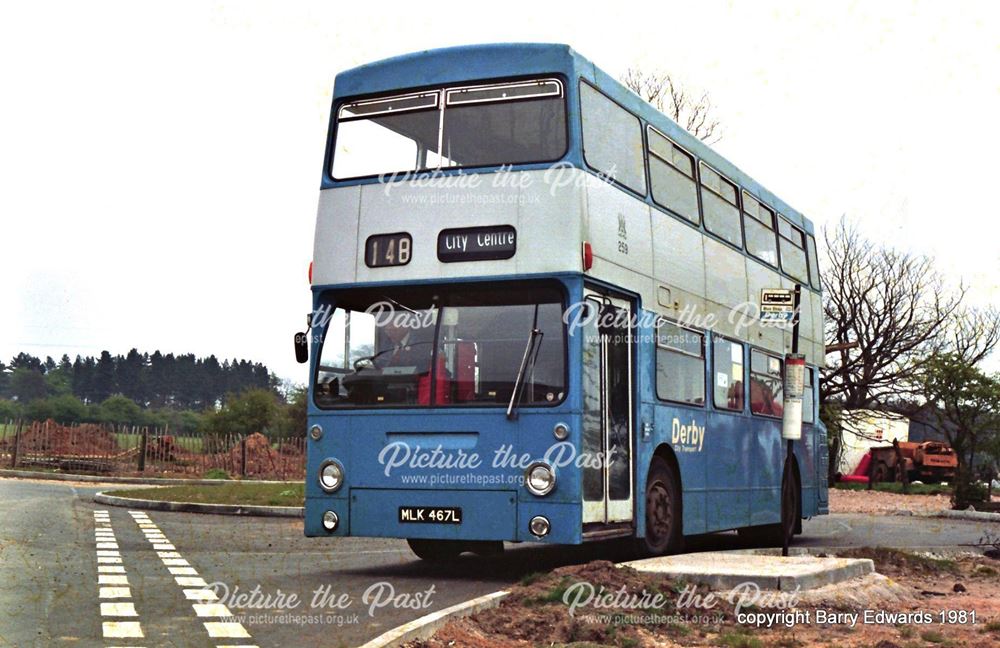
[[428, 624], [147, 481], [724, 570], [976, 516], [192, 507]]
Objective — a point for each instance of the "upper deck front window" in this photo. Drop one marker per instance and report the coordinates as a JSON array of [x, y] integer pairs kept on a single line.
[[469, 126]]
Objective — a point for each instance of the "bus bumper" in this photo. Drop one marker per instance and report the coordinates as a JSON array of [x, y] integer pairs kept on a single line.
[[486, 515]]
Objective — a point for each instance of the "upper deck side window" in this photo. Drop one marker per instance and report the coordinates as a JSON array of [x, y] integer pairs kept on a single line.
[[814, 277], [470, 126], [612, 139], [671, 176], [720, 205], [758, 223], [792, 246]]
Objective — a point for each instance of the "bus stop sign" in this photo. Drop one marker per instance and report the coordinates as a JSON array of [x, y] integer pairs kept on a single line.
[[777, 305]]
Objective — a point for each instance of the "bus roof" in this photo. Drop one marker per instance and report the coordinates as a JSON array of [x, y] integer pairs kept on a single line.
[[449, 65]]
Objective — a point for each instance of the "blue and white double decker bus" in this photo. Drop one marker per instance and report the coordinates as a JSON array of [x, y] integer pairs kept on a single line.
[[534, 316]]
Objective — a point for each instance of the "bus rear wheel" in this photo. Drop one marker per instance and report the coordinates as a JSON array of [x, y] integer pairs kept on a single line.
[[663, 511], [773, 535], [436, 550]]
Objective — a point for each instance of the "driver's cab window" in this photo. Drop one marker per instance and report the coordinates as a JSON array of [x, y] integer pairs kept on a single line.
[[394, 346]]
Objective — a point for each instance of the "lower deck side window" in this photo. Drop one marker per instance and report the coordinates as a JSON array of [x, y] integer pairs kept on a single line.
[[766, 387], [680, 364]]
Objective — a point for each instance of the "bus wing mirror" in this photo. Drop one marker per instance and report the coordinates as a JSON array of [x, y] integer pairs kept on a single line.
[[302, 347]]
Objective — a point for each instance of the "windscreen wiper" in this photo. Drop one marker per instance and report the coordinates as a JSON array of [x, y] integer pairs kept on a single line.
[[527, 364]]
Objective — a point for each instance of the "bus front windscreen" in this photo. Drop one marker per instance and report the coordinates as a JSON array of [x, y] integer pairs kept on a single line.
[[435, 347], [473, 126]]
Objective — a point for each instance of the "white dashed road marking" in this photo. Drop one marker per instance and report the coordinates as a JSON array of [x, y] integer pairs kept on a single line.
[[113, 583], [194, 585]]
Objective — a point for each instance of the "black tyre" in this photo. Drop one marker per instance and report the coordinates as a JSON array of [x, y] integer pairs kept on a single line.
[[663, 511], [486, 548], [436, 550], [791, 496]]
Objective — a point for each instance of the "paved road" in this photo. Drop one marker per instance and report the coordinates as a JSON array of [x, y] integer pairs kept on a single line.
[[73, 573]]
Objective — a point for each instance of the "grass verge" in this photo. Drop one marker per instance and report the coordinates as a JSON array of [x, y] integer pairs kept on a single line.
[[226, 493]]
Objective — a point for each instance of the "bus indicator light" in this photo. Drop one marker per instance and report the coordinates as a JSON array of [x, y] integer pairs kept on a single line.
[[310, 273], [539, 526], [588, 256]]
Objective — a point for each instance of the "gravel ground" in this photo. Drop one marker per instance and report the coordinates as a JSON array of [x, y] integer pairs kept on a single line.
[[848, 501]]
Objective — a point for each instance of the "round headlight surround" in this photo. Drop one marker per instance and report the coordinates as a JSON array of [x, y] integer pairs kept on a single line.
[[337, 475], [560, 431], [316, 432], [543, 489], [539, 526], [331, 521]]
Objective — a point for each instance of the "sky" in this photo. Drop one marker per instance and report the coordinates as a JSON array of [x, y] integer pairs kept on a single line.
[[160, 163]]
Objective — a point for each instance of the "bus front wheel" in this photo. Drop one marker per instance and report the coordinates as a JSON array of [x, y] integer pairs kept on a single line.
[[435, 550], [663, 511]]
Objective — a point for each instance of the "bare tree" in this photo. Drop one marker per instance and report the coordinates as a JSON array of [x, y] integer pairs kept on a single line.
[[974, 333], [659, 89], [895, 306]]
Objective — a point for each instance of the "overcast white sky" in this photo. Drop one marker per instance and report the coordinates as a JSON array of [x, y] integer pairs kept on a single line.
[[160, 163]]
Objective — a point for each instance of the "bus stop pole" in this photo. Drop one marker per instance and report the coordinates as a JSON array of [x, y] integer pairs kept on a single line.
[[789, 452]]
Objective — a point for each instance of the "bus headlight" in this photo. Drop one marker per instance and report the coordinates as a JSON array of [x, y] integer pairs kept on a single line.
[[331, 475], [540, 478], [330, 521], [561, 431], [316, 433]]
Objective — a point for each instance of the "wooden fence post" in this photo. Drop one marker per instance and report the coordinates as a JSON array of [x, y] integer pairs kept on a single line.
[[17, 444], [143, 443], [243, 454]]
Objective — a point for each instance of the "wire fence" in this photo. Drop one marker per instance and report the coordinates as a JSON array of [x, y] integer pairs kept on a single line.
[[139, 450]]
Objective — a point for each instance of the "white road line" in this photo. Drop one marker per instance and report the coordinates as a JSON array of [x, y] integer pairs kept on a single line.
[[211, 610], [110, 569], [114, 592], [122, 629], [200, 595], [226, 629], [187, 576], [182, 571], [113, 583], [118, 609]]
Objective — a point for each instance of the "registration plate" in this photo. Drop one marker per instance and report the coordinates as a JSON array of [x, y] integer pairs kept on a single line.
[[430, 514]]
